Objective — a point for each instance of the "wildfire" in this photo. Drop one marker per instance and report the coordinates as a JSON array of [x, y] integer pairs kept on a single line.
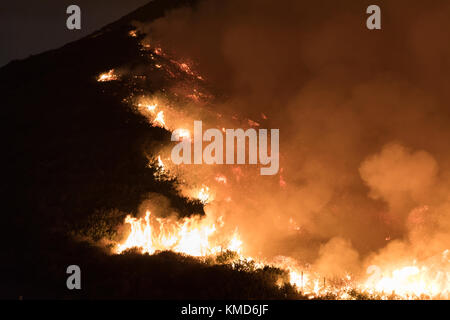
[[409, 281], [189, 236], [148, 104], [183, 67], [160, 164], [203, 195], [159, 120], [151, 107], [186, 68], [235, 243], [197, 236], [107, 76]]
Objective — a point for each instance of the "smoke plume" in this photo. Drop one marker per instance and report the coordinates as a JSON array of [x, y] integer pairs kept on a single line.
[[363, 118]]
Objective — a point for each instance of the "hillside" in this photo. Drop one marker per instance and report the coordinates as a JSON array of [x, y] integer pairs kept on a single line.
[[75, 166]]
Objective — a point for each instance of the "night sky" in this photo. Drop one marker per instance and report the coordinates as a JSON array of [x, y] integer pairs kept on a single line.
[[30, 27]]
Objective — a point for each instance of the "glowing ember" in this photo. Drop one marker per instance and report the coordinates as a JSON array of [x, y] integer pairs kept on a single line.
[[160, 164], [252, 123], [148, 105], [185, 67], [159, 120], [107, 76], [151, 107], [161, 172], [203, 195]]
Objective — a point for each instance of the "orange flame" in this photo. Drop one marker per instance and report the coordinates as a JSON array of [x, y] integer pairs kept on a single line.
[[159, 120], [107, 76], [190, 236]]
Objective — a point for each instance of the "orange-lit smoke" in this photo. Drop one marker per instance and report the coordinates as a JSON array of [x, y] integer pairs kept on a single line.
[[364, 131]]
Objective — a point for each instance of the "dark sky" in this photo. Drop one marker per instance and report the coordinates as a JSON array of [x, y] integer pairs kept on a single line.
[[30, 27]]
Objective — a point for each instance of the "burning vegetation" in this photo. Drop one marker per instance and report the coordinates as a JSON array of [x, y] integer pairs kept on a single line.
[[359, 208], [208, 238], [107, 76]]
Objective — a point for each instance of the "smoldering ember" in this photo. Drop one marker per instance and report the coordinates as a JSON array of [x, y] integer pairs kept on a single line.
[[213, 153]]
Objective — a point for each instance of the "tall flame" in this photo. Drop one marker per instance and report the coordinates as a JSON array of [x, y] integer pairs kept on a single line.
[[197, 237], [190, 236]]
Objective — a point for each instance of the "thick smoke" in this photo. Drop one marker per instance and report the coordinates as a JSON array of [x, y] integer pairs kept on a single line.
[[363, 118], [401, 178]]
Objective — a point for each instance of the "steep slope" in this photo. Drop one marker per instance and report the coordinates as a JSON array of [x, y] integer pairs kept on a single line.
[[75, 164]]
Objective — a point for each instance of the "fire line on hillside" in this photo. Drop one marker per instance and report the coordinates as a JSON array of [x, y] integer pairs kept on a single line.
[[210, 236]]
